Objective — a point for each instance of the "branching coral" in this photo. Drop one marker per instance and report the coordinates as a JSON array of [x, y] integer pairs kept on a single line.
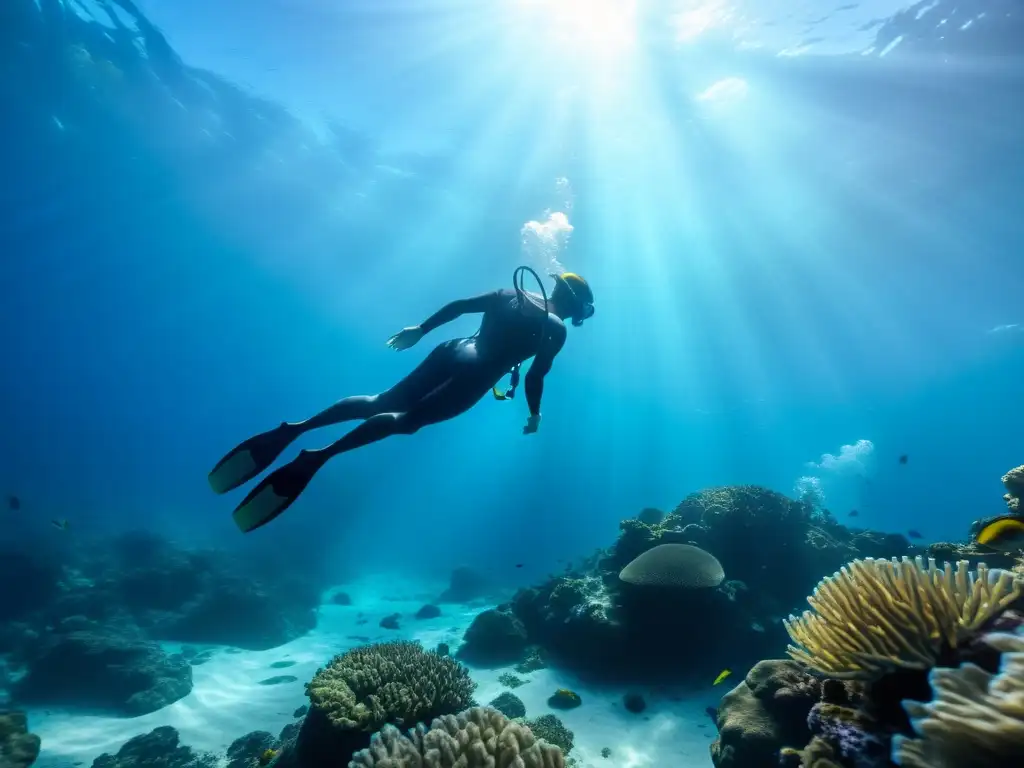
[[395, 682], [976, 719], [874, 616], [477, 738]]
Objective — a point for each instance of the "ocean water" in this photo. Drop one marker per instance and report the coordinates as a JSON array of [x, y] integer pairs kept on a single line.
[[801, 224]]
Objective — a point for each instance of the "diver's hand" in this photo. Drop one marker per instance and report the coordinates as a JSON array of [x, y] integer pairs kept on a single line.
[[405, 338], [532, 424]]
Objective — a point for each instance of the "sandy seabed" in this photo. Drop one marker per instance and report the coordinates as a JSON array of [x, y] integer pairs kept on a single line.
[[228, 699]]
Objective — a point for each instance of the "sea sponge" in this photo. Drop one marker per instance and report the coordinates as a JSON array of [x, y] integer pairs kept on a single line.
[[976, 720], [395, 682], [874, 616], [477, 738], [674, 565]]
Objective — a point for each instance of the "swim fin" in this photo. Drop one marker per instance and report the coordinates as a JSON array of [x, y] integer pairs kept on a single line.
[[250, 458], [278, 490]]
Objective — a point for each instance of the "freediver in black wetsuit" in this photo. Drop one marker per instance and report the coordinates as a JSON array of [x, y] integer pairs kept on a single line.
[[449, 381]]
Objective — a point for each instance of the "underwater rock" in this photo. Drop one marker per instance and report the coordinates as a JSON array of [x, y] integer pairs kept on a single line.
[[278, 680], [234, 610], [391, 622], [494, 637], [428, 612], [340, 598], [634, 702], [111, 667], [245, 751], [18, 747], [301, 711], [160, 747], [767, 711], [465, 585], [563, 698], [509, 705], [37, 582], [282, 664]]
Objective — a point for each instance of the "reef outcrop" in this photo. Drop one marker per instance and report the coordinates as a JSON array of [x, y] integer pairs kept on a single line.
[[686, 594], [895, 662]]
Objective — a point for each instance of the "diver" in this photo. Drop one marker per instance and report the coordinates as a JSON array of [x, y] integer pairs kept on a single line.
[[454, 376]]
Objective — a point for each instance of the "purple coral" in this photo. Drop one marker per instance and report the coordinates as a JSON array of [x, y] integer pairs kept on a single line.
[[849, 734]]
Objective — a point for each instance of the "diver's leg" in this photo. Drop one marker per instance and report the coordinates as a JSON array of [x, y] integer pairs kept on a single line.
[[281, 488], [428, 375], [251, 457]]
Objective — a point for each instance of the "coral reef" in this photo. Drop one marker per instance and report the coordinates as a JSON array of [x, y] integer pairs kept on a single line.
[[109, 667], [245, 751], [477, 738], [509, 705], [563, 698], [550, 729], [159, 747], [976, 719], [168, 592], [18, 747], [465, 586], [764, 713], [874, 616], [1013, 481], [878, 633], [494, 637], [771, 549], [362, 690]]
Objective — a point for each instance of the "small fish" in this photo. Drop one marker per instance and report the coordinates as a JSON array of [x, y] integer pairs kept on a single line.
[[14, 502], [914, 534], [60, 525], [904, 458], [519, 565], [1002, 534], [266, 756], [854, 513], [722, 675]]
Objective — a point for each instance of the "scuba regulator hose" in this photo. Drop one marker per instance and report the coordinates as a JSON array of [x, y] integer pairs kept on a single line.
[[518, 280]]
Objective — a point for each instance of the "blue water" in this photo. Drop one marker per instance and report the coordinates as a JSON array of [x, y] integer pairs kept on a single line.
[[817, 262], [801, 225]]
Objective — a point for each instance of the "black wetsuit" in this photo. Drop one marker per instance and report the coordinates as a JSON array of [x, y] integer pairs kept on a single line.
[[457, 373]]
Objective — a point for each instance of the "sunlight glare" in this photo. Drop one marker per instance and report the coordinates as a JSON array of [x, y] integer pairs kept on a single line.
[[598, 29]]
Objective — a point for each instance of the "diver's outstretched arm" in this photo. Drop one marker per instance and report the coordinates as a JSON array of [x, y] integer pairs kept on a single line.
[[457, 308], [541, 365]]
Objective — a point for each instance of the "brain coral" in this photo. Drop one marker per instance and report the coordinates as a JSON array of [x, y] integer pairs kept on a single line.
[[477, 738], [674, 565], [396, 682]]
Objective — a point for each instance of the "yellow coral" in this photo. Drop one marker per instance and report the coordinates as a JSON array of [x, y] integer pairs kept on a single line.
[[877, 615], [976, 720]]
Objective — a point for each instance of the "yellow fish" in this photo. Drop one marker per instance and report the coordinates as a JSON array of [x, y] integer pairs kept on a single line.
[[722, 675], [1003, 534]]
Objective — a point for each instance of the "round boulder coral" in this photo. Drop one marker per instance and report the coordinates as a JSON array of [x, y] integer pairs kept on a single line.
[[674, 565], [366, 688]]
